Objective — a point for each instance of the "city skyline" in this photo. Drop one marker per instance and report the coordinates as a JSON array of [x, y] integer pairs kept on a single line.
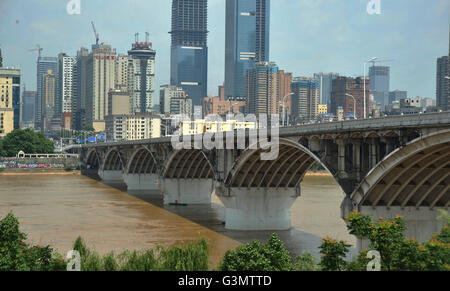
[[395, 34]]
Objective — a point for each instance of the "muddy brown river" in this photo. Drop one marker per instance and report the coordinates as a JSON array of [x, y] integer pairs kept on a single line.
[[54, 209]]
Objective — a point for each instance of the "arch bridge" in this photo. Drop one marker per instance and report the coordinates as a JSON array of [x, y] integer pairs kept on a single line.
[[388, 166]]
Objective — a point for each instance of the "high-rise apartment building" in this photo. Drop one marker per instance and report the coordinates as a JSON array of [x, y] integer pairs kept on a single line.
[[9, 100], [121, 70], [262, 89], [442, 86], [49, 104], [189, 50], [380, 84], [100, 71], [66, 86], [325, 86], [166, 93], [133, 127], [79, 99], [141, 76], [181, 106], [354, 87], [284, 92], [305, 98], [247, 41], [43, 65]]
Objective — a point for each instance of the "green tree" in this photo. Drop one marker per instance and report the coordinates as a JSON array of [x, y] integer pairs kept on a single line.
[[258, 257], [16, 255], [397, 252], [306, 262], [333, 255], [25, 140]]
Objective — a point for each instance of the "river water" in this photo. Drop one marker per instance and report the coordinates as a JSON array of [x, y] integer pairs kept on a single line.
[[54, 209]]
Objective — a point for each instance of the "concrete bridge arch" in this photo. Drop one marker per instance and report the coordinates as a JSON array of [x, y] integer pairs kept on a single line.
[[413, 181], [187, 176]]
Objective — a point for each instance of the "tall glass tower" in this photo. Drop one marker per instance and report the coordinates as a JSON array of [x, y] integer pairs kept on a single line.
[[247, 41], [380, 84], [189, 50], [43, 65]]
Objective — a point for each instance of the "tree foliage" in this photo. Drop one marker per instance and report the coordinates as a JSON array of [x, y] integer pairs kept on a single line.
[[398, 253], [25, 140], [256, 256], [333, 255], [16, 255]]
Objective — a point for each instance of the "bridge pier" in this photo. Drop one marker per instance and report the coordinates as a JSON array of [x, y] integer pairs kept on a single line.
[[421, 222], [187, 191], [110, 176], [142, 182], [259, 209]]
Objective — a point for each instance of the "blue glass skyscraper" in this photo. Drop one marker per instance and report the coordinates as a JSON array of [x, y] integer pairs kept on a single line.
[[44, 64], [189, 50], [247, 41]]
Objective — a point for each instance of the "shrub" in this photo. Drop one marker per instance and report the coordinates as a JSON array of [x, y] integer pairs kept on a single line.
[[258, 257]]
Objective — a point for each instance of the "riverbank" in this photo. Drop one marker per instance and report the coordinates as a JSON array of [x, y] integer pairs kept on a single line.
[[318, 174], [21, 172], [12, 172]]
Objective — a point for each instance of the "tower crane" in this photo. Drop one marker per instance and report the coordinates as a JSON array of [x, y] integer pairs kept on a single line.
[[38, 49], [97, 36]]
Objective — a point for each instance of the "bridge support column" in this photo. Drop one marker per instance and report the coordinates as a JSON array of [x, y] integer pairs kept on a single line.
[[258, 209], [142, 182], [373, 153], [110, 176], [341, 157], [195, 191], [357, 159], [421, 222]]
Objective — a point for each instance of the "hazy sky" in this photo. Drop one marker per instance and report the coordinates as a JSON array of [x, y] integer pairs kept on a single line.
[[307, 36]]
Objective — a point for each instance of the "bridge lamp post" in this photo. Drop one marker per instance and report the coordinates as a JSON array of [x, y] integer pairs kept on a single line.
[[284, 107], [354, 104], [365, 95]]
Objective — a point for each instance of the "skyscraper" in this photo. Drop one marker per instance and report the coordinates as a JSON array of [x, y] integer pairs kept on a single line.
[[284, 92], [1, 58], [189, 50], [262, 89], [247, 41], [380, 84], [49, 114], [43, 65], [66, 86], [442, 86], [79, 99], [100, 72], [9, 100], [325, 86], [305, 100], [141, 79], [122, 71], [28, 101]]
